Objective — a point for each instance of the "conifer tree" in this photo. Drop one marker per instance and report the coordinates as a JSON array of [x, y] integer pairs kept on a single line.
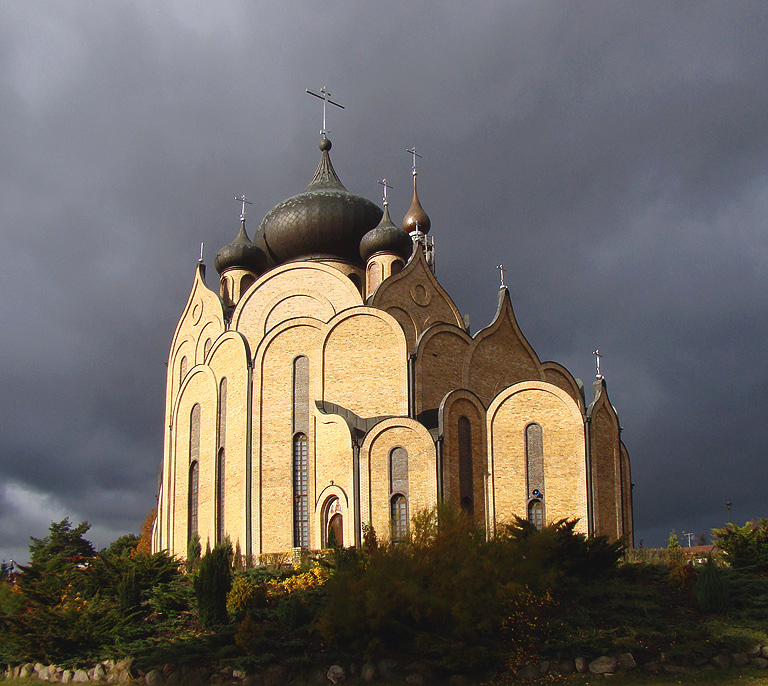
[[212, 583]]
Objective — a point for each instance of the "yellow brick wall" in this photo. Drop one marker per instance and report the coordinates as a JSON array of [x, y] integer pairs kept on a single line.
[[440, 360], [606, 469], [374, 471], [565, 477]]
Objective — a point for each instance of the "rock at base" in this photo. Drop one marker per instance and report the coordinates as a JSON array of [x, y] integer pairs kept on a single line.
[[582, 664], [740, 659], [626, 662], [722, 661], [759, 662], [527, 673], [368, 671], [336, 674], [603, 665]]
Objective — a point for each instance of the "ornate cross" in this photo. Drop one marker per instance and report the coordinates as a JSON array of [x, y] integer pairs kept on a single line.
[[501, 269], [597, 355], [326, 98], [386, 186], [413, 152], [242, 199]]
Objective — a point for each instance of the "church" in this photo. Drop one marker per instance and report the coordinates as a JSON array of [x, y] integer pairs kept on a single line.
[[328, 382]]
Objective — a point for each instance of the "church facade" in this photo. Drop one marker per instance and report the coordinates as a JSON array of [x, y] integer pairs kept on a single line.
[[329, 382]]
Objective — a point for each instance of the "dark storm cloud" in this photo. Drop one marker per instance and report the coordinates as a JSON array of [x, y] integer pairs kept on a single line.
[[613, 155]]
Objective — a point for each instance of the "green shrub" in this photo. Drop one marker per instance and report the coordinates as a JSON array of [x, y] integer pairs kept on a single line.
[[712, 592], [246, 595], [212, 584], [745, 547]]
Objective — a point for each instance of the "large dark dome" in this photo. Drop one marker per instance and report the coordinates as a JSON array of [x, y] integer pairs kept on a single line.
[[325, 221]]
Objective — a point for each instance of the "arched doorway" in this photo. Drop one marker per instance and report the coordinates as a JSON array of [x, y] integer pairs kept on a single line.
[[334, 524]]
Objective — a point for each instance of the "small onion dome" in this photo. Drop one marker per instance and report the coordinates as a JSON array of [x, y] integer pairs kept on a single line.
[[386, 237], [325, 221], [416, 218], [241, 253]]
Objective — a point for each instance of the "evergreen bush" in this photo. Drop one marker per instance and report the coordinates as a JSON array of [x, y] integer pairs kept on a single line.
[[212, 584], [712, 591]]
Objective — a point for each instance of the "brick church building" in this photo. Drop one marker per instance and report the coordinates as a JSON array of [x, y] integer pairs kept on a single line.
[[329, 382]]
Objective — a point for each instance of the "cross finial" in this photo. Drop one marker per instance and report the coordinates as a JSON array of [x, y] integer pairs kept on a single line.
[[501, 269], [413, 152], [597, 355], [242, 199], [202, 245], [386, 186], [326, 98]]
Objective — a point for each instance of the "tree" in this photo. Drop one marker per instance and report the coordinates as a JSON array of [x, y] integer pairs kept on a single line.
[[745, 547], [144, 543], [62, 542], [212, 583]]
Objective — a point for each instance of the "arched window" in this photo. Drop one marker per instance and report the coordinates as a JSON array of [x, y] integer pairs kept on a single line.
[[374, 276], [398, 471], [207, 347], [301, 394], [182, 369], [245, 284], [221, 461], [300, 491], [194, 471], [333, 531], [225, 290], [399, 515], [534, 472], [194, 484], [220, 490], [466, 484], [536, 513]]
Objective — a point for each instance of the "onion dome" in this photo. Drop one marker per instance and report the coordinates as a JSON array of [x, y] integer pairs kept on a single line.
[[325, 221], [416, 219], [386, 237], [241, 253]]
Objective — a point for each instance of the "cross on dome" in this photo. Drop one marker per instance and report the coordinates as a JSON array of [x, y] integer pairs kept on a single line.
[[242, 199], [597, 355], [386, 186], [412, 151], [326, 98], [501, 269]]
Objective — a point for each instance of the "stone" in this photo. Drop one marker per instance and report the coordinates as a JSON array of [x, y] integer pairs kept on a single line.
[[764, 652], [387, 668], [26, 670], [527, 673], [317, 678], [652, 667], [238, 674], [253, 680], [194, 677], [564, 667], [124, 677], [66, 676], [415, 679], [99, 673], [603, 665], [759, 662], [368, 671], [582, 664], [42, 673], [173, 679], [544, 666], [37, 667], [754, 651], [675, 669], [722, 661], [216, 680], [336, 674], [276, 675], [626, 662], [740, 659], [154, 678], [125, 663], [80, 676]]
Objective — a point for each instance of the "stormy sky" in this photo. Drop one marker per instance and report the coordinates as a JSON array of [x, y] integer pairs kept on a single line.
[[613, 155]]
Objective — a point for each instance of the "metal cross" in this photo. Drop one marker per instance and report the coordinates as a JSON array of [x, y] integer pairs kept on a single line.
[[242, 199], [501, 269], [326, 98], [202, 245], [384, 183], [413, 152], [597, 355]]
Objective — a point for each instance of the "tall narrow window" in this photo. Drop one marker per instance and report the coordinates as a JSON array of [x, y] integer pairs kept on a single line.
[[207, 347], [534, 462], [300, 491], [182, 369], [194, 471], [221, 482], [194, 483], [399, 515], [466, 483]]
